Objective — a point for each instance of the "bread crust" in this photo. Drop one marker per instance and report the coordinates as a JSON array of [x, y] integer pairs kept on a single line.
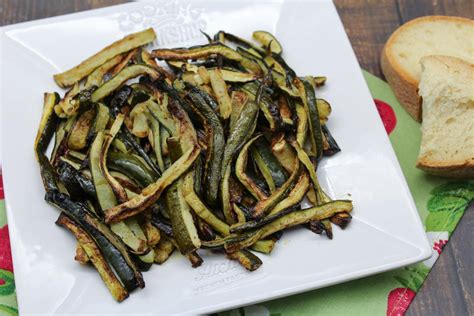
[[404, 86], [447, 169]]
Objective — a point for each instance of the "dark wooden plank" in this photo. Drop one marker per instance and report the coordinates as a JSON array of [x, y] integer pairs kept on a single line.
[[449, 288], [16, 11], [410, 9], [450, 284], [368, 25]]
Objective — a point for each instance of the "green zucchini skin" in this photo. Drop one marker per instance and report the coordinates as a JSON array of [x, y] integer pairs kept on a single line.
[[48, 174], [78, 186], [114, 250], [131, 167], [267, 106], [321, 212], [48, 125], [118, 101], [313, 116], [130, 141], [277, 172], [215, 152], [46, 130], [333, 146], [237, 40], [264, 206], [159, 223], [185, 232], [122, 77], [240, 133]]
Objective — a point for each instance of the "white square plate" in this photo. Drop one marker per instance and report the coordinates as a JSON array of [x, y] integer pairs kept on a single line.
[[386, 232]]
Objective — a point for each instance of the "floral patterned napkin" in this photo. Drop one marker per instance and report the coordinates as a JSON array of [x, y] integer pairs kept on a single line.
[[440, 202]]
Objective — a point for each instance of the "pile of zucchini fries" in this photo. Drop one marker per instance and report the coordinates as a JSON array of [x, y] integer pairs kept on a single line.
[[208, 147]]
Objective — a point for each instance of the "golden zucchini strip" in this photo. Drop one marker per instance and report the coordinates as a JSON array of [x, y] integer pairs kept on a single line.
[[160, 112], [77, 139], [319, 81], [68, 105], [105, 191], [105, 194], [128, 73], [155, 140], [235, 76], [240, 214], [283, 152], [127, 235], [324, 110], [247, 259], [241, 165], [152, 233], [97, 76], [116, 187], [204, 74], [129, 42], [93, 253], [264, 206], [146, 57], [81, 255], [264, 246], [236, 243], [295, 196], [302, 125], [196, 53], [152, 193], [163, 250], [306, 161], [123, 63], [220, 91], [238, 100], [185, 232], [200, 208], [285, 111], [204, 51]]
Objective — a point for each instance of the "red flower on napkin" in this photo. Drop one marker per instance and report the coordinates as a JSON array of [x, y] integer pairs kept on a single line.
[[5, 251], [2, 195], [398, 301], [387, 115]]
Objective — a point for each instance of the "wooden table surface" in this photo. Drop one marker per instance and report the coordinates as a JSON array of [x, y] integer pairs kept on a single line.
[[449, 289]]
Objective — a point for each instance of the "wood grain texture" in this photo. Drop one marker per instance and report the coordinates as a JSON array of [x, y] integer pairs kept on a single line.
[[368, 24], [449, 289], [410, 9]]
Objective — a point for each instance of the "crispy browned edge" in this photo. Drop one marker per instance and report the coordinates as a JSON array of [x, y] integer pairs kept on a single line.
[[405, 86], [448, 168]]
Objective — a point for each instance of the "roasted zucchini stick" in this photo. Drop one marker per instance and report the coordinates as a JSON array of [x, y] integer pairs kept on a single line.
[[92, 251], [73, 75]]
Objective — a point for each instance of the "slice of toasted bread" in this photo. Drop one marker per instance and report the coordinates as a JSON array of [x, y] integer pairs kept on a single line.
[[430, 35], [447, 141]]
